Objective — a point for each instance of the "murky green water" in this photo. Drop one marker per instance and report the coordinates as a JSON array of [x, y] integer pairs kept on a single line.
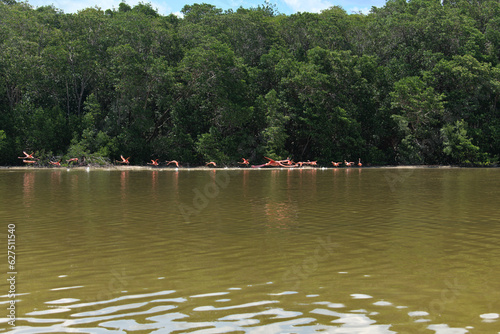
[[253, 251]]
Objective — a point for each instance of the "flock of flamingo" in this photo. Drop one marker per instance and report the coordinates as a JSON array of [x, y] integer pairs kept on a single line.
[[30, 159]]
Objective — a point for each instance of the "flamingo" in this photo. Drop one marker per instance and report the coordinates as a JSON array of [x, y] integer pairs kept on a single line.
[[27, 156], [245, 162], [301, 163], [211, 163], [72, 160], [173, 162], [348, 164], [123, 161], [55, 163], [271, 162], [359, 162], [336, 164], [153, 162], [274, 163], [29, 161], [287, 161]]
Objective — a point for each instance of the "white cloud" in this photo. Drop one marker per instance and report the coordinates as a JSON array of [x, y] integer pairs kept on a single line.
[[72, 6], [312, 6], [165, 7], [356, 10]]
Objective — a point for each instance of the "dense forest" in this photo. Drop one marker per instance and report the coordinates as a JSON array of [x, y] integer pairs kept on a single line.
[[413, 82]]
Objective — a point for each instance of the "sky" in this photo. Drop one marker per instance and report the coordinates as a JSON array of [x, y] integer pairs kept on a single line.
[[166, 7]]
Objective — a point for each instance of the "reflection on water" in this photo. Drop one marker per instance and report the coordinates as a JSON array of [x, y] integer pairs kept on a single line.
[[255, 251], [28, 185]]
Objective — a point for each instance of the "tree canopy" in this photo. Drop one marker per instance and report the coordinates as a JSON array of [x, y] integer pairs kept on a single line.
[[412, 82]]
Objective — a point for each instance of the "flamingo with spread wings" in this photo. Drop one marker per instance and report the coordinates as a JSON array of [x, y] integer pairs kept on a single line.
[[173, 162], [123, 161], [153, 162], [271, 162], [27, 156], [286, 161], [245, 162], [274, 163]]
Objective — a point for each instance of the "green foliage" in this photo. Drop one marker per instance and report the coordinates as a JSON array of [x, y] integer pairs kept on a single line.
[[3, 138], [146, 9], [178, 145], [93, 144], [77, 150], [418, 111], [274, 135], [458, 146], [211, 147], [39, 128], [414, 82], [196, 13], [123, 7], [4, 151]]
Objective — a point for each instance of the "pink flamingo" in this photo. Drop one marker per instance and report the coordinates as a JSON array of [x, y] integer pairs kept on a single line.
[[287, 161], [271, 162], [123, 161], [173, 162], [348, 164], [359, 162], [336, 164], [274, 163], [153, 162], [211, 163], [27, 156], [245, 162]]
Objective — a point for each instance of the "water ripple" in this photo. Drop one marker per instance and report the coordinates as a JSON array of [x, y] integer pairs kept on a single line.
[[332, 251], [258, 316], [213, 308]]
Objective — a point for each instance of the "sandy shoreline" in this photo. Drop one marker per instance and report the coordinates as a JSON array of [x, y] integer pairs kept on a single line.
[[203, 168]]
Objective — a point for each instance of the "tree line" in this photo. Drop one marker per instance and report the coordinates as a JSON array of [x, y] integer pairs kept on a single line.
[[412, 82]]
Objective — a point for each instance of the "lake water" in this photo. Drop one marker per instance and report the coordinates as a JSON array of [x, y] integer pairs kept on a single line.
[[360, 250]]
